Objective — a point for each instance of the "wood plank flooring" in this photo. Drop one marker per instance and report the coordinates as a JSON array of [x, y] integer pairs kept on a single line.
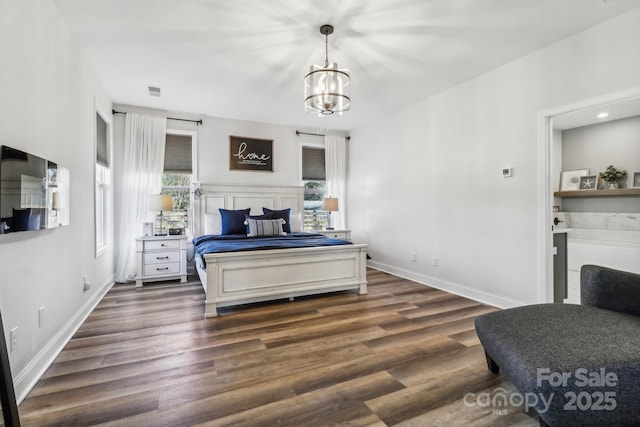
[[403, 355]]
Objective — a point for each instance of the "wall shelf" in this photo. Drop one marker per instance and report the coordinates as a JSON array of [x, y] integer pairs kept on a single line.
[[621, 192]]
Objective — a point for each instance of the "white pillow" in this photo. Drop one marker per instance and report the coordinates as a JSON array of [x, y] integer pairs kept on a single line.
[[265, 227], [212, 224]]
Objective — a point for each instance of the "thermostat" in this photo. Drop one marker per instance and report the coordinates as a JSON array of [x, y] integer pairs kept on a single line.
[[506, 172]]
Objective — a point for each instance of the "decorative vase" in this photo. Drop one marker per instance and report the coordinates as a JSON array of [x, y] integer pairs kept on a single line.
[[613, 185]]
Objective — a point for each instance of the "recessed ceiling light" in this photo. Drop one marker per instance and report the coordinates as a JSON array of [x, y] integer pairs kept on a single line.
[[603, 115], [153, 90]]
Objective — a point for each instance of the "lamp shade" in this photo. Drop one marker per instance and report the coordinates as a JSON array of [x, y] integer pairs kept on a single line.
[[56, 202], [160, 202], [331, 204]]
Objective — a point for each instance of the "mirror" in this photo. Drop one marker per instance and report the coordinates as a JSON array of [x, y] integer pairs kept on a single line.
[[34, 192]]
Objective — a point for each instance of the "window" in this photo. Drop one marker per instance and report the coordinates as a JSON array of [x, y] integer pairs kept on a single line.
[[314, 179], [177, 178], [102, 187]]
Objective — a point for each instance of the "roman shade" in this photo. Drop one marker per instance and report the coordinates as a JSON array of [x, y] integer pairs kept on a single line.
[[313, 164]]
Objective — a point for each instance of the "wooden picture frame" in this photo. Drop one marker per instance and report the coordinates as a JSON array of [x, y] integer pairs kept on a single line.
[[588, 182], [250, 154], [570, 179], [636, 180]]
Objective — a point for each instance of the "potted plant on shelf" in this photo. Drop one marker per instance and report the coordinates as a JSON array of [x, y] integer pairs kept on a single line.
[[612, 177]]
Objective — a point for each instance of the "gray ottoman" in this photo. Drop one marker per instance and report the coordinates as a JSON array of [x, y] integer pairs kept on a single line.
[[575, 365]]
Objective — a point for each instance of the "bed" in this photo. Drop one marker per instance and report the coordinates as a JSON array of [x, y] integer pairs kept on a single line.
[[239, 276]]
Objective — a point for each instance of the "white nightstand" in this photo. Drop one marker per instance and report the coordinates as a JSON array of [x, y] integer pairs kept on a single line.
[[161, 258], [336, 234]]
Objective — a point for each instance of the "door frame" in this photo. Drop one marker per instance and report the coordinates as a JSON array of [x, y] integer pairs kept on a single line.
[[545, 186]]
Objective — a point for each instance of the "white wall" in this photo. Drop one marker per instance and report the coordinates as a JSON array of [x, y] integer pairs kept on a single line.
[[213, 147], [427, 179], [47, 108], [597, 146]]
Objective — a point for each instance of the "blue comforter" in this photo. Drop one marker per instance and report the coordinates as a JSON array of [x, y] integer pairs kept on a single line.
[[208, 243]]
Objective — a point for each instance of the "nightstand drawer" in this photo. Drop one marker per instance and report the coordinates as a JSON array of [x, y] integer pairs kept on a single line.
[[163, 244], [161, 257], [344, 235], [168, 268]]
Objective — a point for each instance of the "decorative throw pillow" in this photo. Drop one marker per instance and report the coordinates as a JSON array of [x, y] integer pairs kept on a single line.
[[285, 214], [265, 227], [233, 221], [21, 219], [246, 217]]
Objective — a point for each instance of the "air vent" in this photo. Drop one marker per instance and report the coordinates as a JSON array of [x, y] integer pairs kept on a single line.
[[153, 90]]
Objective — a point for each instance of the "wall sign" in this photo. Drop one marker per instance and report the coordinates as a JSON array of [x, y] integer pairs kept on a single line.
[[250, 154]]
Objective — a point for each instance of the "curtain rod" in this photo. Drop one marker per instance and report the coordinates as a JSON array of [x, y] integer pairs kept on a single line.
[[197, 122], [298, 133]]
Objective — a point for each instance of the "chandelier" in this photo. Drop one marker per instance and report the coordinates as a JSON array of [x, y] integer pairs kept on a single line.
[[326, 89]]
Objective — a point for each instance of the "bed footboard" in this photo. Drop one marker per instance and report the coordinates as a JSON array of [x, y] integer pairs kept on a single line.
[[246, 277]]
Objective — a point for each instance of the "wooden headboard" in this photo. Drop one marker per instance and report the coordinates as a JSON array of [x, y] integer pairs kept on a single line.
[[214, 197]]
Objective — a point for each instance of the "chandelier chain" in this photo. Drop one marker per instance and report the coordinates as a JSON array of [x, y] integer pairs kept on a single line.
[[326, 50]]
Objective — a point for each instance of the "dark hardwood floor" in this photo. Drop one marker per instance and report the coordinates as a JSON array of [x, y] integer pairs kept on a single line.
[[405, 354]]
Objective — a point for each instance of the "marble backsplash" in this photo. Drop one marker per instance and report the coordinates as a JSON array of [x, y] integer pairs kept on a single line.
[[617, 227]]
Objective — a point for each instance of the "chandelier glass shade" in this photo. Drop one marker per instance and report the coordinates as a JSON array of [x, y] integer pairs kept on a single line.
[[326, 89]]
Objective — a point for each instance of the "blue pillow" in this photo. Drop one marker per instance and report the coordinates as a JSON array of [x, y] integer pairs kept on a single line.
[[233, 221], [284, 214], [21, 219], [264, 216]]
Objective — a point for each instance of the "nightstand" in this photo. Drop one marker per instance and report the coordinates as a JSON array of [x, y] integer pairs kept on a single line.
[[336, 234], [161, 258]]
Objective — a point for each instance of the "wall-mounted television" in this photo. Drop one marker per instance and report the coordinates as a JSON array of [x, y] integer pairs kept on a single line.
[[34, 192]]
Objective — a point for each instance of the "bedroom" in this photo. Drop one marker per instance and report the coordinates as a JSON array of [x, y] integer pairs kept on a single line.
[[470, 217]]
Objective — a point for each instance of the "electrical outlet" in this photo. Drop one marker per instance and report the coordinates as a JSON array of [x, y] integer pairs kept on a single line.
[[14, 338], [414, 257], [434, 261], [41, 317]]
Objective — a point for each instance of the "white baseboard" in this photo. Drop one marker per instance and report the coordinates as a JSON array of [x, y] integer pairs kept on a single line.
[[454, 288], [29, 376]]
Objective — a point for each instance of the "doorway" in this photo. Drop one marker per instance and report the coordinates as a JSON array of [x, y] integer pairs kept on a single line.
[[619, 105]]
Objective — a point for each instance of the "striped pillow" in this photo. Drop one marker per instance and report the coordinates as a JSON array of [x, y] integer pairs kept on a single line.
[[265, 227]]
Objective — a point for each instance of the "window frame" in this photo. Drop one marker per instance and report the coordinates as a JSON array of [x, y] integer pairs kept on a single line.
[[313, 145], [103, 187], [194, 172]]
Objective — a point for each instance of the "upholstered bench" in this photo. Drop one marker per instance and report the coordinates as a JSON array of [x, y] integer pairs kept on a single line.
[[576, 365]]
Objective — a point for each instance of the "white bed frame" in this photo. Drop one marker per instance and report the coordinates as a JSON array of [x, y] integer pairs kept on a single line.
[[234, 278]]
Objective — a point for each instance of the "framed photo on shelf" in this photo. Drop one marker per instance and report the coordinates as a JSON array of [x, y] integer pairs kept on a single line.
[[636, 179], [588, 182], [570, 180]]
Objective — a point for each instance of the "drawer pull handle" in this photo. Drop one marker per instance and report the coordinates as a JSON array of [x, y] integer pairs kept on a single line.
[[162, 257], [162, 269], [162, 244]]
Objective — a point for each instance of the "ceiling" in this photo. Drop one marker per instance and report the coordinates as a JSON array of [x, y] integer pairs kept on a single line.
[[590, 116], [246, 59]]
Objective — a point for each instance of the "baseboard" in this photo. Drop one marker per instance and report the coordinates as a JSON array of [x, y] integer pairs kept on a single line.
[[29, 376], [454, 288]]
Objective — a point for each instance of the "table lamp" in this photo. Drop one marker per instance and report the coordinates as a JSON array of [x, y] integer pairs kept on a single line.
[[161, 203], [330, 205]]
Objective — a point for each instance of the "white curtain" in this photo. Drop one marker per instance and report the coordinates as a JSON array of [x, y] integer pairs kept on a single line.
[[143, 165], [335, 152]]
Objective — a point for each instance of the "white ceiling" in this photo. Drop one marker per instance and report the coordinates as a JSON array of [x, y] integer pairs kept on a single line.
[[246, 59], [589, 116]]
